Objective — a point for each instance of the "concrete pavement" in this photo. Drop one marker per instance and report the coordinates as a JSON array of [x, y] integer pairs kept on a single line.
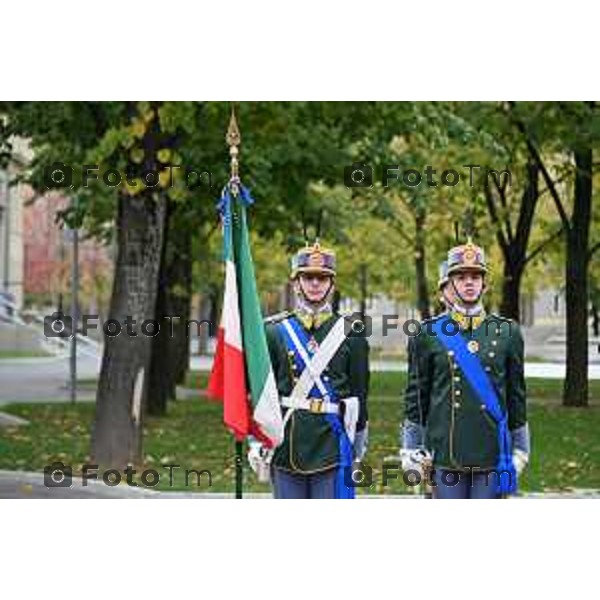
[[21, 485], [543, 370], [45, 379]]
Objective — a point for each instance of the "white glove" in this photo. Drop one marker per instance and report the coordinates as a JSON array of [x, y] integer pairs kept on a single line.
[[520, 460], [361, 443], [259, 459], [414, 459]]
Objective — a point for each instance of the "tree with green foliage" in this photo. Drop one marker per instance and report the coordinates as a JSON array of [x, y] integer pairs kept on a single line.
[[569, 133], [285, 146]]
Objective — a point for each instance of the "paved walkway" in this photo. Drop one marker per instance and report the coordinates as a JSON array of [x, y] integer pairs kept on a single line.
[[544, 370], [21, 485], [46, 379]]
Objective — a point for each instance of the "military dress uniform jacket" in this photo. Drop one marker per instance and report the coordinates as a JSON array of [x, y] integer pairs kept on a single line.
[[458, 429], [310, 444]]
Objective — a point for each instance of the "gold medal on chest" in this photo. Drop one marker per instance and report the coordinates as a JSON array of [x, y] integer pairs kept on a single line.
[[312, 345], [473, 346]]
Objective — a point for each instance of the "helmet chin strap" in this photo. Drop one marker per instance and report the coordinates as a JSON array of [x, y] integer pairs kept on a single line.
[[462, 306], [313, 305]]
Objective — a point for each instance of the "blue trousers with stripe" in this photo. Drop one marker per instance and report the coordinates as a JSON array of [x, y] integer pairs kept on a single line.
[[288, 486], [460, 485]]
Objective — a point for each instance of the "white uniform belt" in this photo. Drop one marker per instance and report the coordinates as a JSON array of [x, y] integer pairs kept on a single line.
[[314, 405]]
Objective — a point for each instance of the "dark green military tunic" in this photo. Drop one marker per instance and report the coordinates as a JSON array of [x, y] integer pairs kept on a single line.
[[310, 444], [458, 429]]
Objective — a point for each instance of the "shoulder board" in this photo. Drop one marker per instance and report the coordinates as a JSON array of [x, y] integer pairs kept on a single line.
[[499, 317], [431, 319], [276, 318], [347, 316], [354, 327]]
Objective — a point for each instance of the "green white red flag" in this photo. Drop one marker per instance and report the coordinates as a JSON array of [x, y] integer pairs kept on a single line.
[[242, 375]]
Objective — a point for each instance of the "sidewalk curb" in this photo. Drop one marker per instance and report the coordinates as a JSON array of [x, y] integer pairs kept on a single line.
[[7, 420]]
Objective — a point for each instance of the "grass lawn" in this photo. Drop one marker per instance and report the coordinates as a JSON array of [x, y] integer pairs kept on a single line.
[[87, 383], [391, 385], [22, 354], [566, 441]]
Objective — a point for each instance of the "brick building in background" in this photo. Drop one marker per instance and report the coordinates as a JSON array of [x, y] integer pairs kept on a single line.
[[48, 251], [36, 253]]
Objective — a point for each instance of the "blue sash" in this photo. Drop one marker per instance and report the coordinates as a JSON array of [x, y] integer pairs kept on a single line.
[[506, 475], [344, 446]]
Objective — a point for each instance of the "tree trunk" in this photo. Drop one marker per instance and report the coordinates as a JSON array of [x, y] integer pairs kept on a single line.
[[576, 380], [514, 249], [335, 303], [170, 348], [420, 266], [158, 387], [215, 309], [117, 434], [595, 320], [181, 301], [201, 312], [511, 290], [363, 290]]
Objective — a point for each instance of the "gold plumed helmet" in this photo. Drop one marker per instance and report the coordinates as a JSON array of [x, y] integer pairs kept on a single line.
[[313, 259], [466, 257]]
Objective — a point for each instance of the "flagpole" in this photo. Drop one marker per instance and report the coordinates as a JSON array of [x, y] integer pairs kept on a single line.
[[233, 140]]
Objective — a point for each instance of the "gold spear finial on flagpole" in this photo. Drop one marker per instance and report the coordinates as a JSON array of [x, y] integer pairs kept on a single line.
[[233, 139]]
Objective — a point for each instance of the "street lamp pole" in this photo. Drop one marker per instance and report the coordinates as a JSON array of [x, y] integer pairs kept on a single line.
[[5, 193], [74, 306]]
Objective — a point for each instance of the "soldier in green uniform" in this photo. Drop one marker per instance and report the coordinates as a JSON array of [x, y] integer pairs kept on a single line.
[[465, 403], [321, 365]]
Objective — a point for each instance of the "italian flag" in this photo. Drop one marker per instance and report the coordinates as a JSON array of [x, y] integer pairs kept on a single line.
[[242, 375]]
